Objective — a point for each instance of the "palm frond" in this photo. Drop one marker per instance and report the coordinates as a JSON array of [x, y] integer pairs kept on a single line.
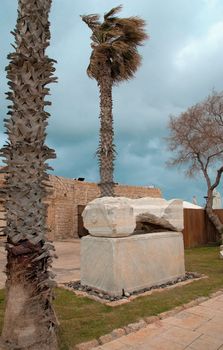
[[133, 29], [112, 12], [114, 43], [91, 20]]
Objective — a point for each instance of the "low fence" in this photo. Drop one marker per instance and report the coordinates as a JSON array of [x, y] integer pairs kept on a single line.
[[198, 230]]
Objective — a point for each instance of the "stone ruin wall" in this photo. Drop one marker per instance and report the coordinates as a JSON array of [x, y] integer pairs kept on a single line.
[[68, 195]]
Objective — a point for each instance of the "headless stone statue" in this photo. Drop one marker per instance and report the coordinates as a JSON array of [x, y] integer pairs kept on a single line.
[[194, 200], [216, 200]]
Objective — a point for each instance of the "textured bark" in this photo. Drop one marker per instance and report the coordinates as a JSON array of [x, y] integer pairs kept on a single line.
[[209, 203], [212, 216], [106, 149], [30, 321]]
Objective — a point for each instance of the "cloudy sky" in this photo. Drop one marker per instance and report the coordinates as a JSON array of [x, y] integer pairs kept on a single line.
[[182, 63]]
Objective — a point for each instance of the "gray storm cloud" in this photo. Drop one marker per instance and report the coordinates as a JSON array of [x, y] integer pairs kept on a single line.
[[182, 62]]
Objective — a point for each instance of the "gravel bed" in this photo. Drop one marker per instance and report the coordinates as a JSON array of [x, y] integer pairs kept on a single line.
[[76, 285]]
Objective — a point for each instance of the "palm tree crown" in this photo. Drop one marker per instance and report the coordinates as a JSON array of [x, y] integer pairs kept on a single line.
[[115, 40]]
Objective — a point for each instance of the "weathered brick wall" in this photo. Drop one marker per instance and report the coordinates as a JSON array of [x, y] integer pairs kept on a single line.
[[68, 194], [61, 209]]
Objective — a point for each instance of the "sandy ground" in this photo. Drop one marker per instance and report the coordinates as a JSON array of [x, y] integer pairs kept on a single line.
[[66, 267]]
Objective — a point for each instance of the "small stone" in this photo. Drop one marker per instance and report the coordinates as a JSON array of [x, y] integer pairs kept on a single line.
[[201, 299], [196, 275], [133, 327], [87, 345], [190, 304], [151, 319], [216, 294], [105, 339], [100, 295], [127, 294], [167, 314], [117, 333], [178, 309]]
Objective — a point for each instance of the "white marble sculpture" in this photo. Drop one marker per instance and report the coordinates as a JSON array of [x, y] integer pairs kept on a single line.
[[158, 211], [115, 260], [109, 217], [194, 200], [118, 216], [216, 200]]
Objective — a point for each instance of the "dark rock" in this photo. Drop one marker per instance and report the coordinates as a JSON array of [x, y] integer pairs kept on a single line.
[[77, 286]]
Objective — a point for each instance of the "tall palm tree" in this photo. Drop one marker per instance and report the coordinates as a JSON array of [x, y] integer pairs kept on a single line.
[[114, 58], [29, 321]]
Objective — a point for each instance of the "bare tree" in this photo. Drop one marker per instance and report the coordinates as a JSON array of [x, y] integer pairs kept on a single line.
[[213, 106], [29, 321], [196, 140]]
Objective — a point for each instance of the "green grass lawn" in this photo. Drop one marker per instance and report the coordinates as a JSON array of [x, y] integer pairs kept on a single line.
[[83, 319]]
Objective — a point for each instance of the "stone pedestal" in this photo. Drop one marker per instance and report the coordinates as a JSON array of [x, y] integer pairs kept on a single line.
[[131, 263]]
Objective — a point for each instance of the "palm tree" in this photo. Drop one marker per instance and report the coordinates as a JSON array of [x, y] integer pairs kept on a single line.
[[114, 58], [29, 321]]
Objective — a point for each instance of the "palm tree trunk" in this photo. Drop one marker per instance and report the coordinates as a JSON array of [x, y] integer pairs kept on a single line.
[[29, 321], [106, 149]]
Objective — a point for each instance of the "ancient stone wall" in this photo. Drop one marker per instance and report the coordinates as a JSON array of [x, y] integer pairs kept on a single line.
[[68, 195]]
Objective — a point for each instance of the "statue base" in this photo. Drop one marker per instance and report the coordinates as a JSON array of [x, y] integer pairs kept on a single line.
[[118, 265]]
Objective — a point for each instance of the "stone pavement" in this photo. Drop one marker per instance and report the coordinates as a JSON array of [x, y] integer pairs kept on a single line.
[[196, 328], [66, 267]]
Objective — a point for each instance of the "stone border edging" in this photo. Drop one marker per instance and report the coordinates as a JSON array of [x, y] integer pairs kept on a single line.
[[134, 327], [131, 297]]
